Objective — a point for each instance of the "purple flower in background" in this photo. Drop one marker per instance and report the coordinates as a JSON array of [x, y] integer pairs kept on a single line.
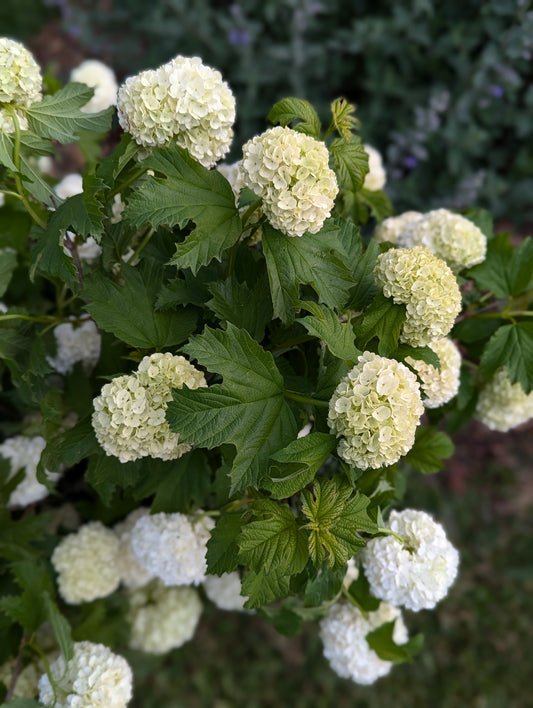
[[238, 37], [496, 91], [410, 162]]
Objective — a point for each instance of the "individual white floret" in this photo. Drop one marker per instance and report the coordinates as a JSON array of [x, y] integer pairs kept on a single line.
[[389, 228], [97, 75], [163, 618], [183, 101], [76, 343], [129, 414], [225, 591], [426, 286], [95, 677], [449, 236], [172, 547], [290, 172], [132, 574], [375, 411], [439, 385], [24, 453], [415, 575], [501, 405], [87, 563], [343, 634], [20, 82], [376, 177]]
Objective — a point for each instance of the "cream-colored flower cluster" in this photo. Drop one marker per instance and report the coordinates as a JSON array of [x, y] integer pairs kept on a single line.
[[417, 575], [87, 563], [290, 172], [502, 405], [376, 177], [95, 677], [449, 236], [20, 81], [375, 411], [183, 101], [129, 414], [27, 679], [101, 78], [132, 574], [390, 228], [439, 385], [225, 591], [343, 633], [172, 547], [24, 453], [426, 285], [163, 618], [76, 344]]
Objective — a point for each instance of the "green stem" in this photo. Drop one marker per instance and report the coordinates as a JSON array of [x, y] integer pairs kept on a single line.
[[121, 187], [248, 213], [294, 396], [143, 243], [232, 257]]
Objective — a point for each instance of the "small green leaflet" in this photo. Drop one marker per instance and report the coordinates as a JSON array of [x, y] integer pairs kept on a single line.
[[506, 271], [511, 346], [482, 219], [48, 257], [338, 336], [425, 354], [324, 587], [222, 548], [382, 642], [291, 109], [343, 120], [187, 192], [261, 588], [430, 448], [378, 202], [248, 409], [360, 594], [128, 312], [384, 320], [336, 516], [8, 263], [61, 627], [313, 259], [295, 466], [351, 162], [59, 116]]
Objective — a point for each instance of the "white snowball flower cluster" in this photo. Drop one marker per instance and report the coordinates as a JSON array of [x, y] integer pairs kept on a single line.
[[27, 680], [24, 453], [375, 411], [449, 236], [87, 563], [182, 101], [72, 184], [290, 171], [343, 634], [376, 177], [132, 574], [225, 591], [390, 228], [97, 75], [129, 414], [426, 285], [172, 547], [502, 405], [95, 677], [439, 385], [20, 81], [69, 186], [163, 618], [80, 343], [415, 576]]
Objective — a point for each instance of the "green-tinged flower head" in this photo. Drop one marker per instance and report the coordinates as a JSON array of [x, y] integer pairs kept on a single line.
[[290, 172], [449, 236], [376, 177], [439, 385], [183, 101], [502, 405], [427, 287], [20, 80], [129, 414], [375, 411], [163, 618], [389, 228]]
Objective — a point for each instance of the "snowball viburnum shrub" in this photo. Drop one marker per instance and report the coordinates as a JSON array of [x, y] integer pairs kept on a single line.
[[97, 75], [418, 574], [439, 385], [375, 411], [129, 414], [95, 677], [183, 101], [290, 171], [427, 287], [343, 633], [20, 81], [502, 405]]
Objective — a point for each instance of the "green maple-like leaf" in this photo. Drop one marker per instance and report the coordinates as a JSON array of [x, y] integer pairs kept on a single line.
[[293, 109], [382, 642], [383, 319], [248, 409], [506, 270], [338, 336], [222, 549], [351, 162], [187, 192], [261, 587], [336, 518], [430, 448], [511, 346]]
